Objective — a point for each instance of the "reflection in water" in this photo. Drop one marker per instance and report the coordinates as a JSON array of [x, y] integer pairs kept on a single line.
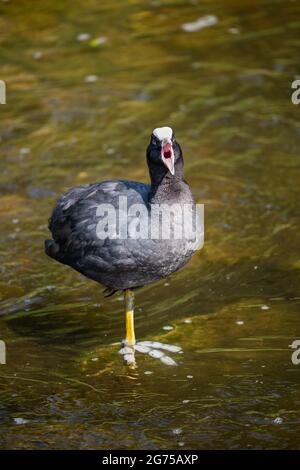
[[79, 109]]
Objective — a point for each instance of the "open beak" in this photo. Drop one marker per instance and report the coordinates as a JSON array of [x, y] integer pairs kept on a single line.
[[167, 155]]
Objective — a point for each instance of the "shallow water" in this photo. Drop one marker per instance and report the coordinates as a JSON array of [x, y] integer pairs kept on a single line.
[[81, 111]]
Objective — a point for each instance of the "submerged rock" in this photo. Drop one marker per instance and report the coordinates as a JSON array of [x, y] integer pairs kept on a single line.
[[203, 22], [20, 421], [82, 37], [91, 79]]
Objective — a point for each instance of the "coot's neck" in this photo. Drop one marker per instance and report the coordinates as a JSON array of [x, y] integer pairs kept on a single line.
[[165, 187]]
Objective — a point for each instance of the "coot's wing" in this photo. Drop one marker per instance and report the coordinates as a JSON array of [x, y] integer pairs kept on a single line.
[[73, 226]]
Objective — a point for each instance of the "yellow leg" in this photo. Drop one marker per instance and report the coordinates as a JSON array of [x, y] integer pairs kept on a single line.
[[129, 311]]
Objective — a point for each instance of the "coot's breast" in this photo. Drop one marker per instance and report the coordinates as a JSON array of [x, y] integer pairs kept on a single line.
[[138, 254]]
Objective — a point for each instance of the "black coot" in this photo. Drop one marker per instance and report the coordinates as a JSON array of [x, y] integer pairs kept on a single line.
[[125, 234]]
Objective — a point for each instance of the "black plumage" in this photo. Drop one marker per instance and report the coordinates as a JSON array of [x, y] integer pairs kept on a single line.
[[131, 262]]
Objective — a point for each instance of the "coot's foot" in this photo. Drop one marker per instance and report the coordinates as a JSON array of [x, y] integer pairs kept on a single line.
[[155, 349], [128, 353]]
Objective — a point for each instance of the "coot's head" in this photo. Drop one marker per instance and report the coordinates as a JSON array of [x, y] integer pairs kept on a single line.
[[163, 150]]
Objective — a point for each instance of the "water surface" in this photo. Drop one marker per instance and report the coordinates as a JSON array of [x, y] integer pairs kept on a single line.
[[82, 111]]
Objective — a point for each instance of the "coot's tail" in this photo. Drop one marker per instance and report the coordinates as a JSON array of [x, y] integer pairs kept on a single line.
[[52, 249]]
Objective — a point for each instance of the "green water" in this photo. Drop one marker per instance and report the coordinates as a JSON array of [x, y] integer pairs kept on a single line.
[[234, 309]]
